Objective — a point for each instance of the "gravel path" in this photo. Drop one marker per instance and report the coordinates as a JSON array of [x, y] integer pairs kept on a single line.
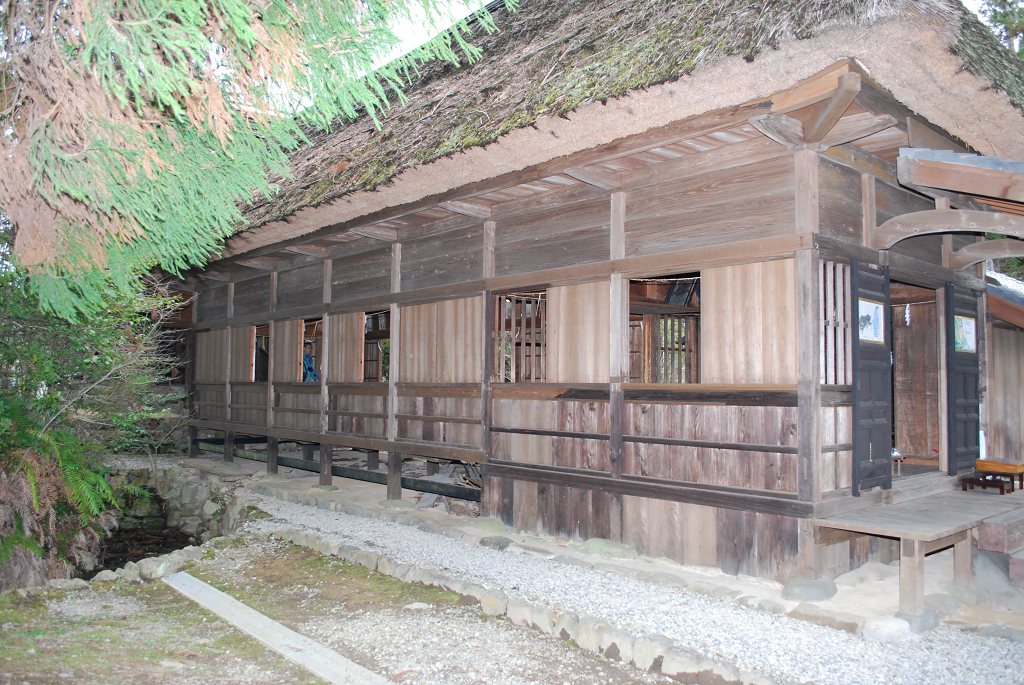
[[778, 646]]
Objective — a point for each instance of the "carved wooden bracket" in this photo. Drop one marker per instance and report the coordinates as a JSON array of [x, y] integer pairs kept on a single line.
[[943, 221], [987, 249]]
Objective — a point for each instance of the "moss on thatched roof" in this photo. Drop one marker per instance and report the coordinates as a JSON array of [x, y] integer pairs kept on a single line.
[[553, 56]]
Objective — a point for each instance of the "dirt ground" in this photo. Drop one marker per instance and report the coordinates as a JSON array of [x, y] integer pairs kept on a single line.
[[129, 634]]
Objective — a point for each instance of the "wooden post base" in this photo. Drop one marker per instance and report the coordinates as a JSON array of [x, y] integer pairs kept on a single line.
[[272, 448], [229, 446], [326, 459], [193, 442], [394, 475], [372, 460]]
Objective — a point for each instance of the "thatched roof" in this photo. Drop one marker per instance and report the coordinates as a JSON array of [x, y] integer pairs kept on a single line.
[[554, 57]]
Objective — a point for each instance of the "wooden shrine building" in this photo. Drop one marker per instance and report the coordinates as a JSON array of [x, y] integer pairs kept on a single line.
[[660, 269]]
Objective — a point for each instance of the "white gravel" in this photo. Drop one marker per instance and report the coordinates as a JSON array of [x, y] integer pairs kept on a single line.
[[781, 647]]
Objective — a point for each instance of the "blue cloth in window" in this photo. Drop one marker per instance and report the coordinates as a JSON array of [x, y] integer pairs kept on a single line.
[[309, 374]]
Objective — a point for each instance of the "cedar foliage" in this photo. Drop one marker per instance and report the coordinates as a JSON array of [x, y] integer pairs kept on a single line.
[[133, 129]]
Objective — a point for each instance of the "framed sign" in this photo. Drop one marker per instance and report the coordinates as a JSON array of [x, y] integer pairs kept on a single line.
[[965, 334], [871, 321]]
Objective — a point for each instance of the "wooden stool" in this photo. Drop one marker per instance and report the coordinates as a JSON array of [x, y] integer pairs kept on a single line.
[[985, 482], [1002, 469]]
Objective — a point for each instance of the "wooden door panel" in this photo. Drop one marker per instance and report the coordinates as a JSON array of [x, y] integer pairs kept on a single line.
[[872, 390], [962, 329]]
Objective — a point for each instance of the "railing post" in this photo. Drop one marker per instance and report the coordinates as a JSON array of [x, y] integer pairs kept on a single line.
[[272, 448], [229, 446], [395, 475], [326, 459]]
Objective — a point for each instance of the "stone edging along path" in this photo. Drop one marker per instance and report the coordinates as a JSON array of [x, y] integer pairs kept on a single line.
[[589, 633]]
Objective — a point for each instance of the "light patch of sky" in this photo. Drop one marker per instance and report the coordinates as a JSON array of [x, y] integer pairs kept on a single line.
[[416, 30], [974, 6]]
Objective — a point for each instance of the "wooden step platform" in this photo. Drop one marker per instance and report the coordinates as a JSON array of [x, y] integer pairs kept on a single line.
[[1003, 533], [1017, 569]]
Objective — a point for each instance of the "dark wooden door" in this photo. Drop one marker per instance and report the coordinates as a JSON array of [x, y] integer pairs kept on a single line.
[[872, 378], [962, 331]]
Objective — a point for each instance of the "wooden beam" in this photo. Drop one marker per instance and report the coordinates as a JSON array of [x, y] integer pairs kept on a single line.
[[599, 178], [855, 127], [311, 250], [961, 178], [214, 275], [781, 128], [467, 207], [987, 249], [262, 263], [377, 232], [1007, 311], [813, 89], [830, 111], [944, 221]]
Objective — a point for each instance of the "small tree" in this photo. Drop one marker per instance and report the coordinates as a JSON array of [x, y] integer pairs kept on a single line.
[[67, 391]]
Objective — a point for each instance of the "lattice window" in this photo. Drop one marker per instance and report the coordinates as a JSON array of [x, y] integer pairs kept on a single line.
[[663, 348], [836, 358], [521, 349]]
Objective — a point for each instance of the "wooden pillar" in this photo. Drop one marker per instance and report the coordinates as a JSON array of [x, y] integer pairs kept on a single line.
[[870, 210], [395, 475], [325, 350], [193, 442], [808, 375], [395, 334], [230, 344], [326, 459], [489, 351], [433, 466], [912, 577], [229, 446], [307, 452], [372, 460], [962, 562], [270, 352], [618, 353], [272, 449]]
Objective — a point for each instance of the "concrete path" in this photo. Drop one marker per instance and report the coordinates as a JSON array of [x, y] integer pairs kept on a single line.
[[299, 649]]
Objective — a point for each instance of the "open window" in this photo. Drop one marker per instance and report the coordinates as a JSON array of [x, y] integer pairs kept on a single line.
[[521, 338], [377, 347], [664, 330], [261, 355], [312, 346]]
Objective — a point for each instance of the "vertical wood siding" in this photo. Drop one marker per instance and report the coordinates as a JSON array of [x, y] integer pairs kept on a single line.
[[578, 320], [1005, 398], [212, 356], [748, 323], [441, 342], [287, 351], [345, 364]]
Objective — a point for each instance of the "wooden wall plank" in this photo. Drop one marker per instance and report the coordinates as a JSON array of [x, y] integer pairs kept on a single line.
[[578, 337], [345, 364], [748, 323], [440, 342], [243, 351], [704, 210], [366, 274], [212, 304], [299, 287], [212, 356], [287, 351], [1005, 399]]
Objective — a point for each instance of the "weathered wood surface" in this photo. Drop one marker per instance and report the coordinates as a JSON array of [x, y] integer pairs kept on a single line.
[[1005, 399], [287, 351], [915, 337], [738, 468], [928, 518], [345, 364], [577, 336], [243, 351], [440, 342], [211, 356], [748, 323]]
